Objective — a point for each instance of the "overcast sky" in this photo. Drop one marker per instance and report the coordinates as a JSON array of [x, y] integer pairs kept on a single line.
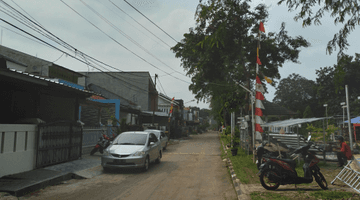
[[153, 53]]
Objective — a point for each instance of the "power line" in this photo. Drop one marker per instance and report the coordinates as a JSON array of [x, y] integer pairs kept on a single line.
[[68, 46], [22, 35], [22, 19], [139, 23], [127, 36], [162, 86], [65, 52], [121, 44], [151, 21], [133, 25]]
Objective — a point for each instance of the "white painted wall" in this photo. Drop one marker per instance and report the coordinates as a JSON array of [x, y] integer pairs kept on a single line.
[[17, 155], [15, 66]]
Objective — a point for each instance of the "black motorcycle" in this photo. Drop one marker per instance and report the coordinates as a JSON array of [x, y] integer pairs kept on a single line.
[[276, 171]]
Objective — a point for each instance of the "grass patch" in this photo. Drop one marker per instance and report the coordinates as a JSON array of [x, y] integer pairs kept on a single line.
[[243, 165], [267, 195], [331, 195]]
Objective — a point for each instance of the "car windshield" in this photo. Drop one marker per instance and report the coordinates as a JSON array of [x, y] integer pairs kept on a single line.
[[130, 139]]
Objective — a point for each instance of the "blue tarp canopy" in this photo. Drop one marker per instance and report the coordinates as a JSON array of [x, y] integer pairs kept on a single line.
[[355, 120]]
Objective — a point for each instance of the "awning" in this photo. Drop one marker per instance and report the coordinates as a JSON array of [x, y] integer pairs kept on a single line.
[[291, 122], [160, 114], [355, 120]]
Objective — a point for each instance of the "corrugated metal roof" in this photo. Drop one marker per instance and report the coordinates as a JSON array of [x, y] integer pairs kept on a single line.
[[56, 81], [161, 114], [355, 120], [291, 122]]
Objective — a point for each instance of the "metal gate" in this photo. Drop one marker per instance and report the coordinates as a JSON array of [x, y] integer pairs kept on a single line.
[[58, 142]]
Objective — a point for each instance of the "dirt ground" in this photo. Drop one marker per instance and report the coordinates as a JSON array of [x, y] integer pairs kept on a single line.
[[189, 169]]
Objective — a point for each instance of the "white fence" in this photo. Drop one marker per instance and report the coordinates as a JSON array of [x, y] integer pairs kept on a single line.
[[17, 148]]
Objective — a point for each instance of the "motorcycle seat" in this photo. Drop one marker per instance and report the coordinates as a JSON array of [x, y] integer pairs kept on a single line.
[[291, 162]]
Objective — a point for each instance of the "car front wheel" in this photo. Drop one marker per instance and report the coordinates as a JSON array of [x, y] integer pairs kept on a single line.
[[159, 158], [146, 164]]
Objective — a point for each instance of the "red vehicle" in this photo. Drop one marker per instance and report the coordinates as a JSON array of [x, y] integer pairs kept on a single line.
[[275, 171], [103, 143]]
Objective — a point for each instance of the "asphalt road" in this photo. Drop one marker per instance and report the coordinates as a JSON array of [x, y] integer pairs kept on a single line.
[[189, 169]]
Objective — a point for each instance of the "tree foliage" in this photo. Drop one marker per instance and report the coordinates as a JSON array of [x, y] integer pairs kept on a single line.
[[222, 48], [295, 93], [308, 113], [346, 12], [331, 83]]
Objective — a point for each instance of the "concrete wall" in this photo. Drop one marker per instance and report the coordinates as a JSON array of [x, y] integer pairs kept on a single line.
[[17, 148], [34, 64], [131, 86]]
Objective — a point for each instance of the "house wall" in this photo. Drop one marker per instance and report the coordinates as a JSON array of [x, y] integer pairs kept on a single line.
[[132, 86], [18, 67], [17, 148], [65, 108]]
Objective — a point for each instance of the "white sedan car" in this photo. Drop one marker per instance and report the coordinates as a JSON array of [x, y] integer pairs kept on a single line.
[[161, 136], [133, 149]]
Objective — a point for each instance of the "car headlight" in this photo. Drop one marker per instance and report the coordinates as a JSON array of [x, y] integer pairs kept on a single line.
[[139, 153], [106, 152]]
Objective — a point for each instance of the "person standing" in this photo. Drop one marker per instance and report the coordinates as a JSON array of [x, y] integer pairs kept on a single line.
[[345, 152]]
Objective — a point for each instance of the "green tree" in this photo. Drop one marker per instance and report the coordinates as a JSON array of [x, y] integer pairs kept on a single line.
[[343, 11], [222, 48], [295, 93], [308, 113], [330, 84]]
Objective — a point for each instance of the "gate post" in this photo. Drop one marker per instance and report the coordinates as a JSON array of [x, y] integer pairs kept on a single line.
[[70, 140]]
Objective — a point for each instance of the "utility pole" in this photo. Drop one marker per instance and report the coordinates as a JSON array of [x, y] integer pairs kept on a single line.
[[348, 115], [154, 101]]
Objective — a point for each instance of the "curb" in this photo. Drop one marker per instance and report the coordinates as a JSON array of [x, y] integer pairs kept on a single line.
[[235, 180]]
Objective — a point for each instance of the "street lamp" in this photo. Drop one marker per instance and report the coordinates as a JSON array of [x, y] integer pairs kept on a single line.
[[325, 105]]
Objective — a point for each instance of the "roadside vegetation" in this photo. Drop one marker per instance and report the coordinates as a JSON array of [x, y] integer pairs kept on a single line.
[[246, 171]]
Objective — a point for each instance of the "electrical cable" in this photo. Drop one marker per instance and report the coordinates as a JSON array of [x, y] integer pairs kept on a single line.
[[162, 86], [122, 44], [22, 35], [151, 21], [59, 41], [116, 13], [139, 23], [61, 50], [58, 58], [67, 46], [127, 36]]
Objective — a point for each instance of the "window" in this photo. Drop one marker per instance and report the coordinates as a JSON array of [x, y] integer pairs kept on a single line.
[[153, 137]]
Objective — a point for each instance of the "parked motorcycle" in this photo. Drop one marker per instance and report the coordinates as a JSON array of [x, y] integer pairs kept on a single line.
[[275, 171], [103, 143]]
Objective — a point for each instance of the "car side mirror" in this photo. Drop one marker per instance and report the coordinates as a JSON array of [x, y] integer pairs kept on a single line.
[[152, 143]]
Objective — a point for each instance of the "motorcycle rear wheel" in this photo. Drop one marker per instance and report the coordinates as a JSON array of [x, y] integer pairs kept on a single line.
[[320, 179], [266, 182]]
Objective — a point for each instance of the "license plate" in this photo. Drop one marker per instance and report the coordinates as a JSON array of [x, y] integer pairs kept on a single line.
[[119, 161]]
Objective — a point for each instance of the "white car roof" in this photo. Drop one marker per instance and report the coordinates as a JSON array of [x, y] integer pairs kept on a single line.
[[153, 130], [135, 132]]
